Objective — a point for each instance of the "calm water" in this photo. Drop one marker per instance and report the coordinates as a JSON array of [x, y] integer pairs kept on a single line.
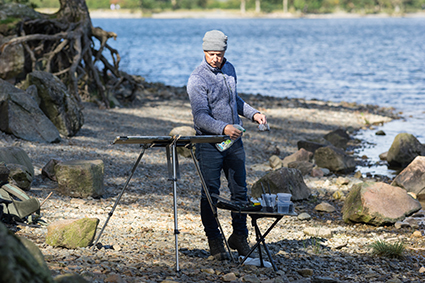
[[368, 61]]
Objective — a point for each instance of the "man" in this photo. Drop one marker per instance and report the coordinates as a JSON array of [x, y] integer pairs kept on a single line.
[[216, 107]]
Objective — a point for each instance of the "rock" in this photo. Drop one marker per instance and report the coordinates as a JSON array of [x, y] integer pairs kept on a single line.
[[74, 278], [283, 180], [337, 195], [16, 155], [183, 131], [404, 149], [72, 233], [18, 263], [416, 234], [57, 103], [49, 169], [412, 178], [20, 176], [304, 216], [383, 156], [4, 173], [319, 232], [309, 146], [21, 116], [378, 204], [334, 159], [358, 175], [229, 277], [317, 172], [380, 133], [12, 59], [323, 280], [325, 207], [114, 278], [275, 162], [338, 138], [304, 167], [305, 272], [251, 279], [422, 270], [401, 224], [80, 178], [300, 155]]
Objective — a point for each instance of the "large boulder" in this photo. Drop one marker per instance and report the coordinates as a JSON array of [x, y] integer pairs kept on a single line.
[[80, 178], [15, 155], [404, 149], [300, 155], [18, 263], [334, 159], [12, 60], [283, 180], [56, 102], [20, 176], [338, 138], [412, 178], [378, 204], [72, 233], [21, 116], [309, 145]]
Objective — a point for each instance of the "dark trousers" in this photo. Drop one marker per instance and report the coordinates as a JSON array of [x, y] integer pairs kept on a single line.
[[232, 162]]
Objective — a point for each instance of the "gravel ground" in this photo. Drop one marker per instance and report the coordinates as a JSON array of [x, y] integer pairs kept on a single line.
[[139, 243]]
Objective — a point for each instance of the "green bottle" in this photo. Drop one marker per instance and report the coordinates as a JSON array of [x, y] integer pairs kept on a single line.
[[222, 146]]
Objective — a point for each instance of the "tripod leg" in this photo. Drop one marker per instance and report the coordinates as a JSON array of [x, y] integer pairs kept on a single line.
[[213, 208], [119, 196], [176, 228]]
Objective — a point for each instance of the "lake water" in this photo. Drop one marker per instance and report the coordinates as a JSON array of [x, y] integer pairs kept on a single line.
[[378, 61]]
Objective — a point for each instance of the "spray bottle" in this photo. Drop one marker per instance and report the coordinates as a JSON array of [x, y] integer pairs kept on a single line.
[[222, 146]]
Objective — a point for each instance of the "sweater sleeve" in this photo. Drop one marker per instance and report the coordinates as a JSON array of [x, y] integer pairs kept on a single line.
[[244, 109]]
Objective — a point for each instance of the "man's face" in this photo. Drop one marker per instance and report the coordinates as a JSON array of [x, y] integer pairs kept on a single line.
[[214, 58]]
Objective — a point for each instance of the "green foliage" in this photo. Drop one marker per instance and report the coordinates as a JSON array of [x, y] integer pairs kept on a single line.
[[382, 248], [305, 6]]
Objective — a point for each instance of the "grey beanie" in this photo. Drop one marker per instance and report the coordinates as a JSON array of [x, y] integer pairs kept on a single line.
[[214, 40]]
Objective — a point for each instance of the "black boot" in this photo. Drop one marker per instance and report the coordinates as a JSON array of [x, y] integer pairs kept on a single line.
[[217, 249], [240, 243]]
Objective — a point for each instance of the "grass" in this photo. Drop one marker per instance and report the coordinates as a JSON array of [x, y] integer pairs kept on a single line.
[[392, 250]]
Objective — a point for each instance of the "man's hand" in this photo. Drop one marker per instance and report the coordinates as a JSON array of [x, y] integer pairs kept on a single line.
[[260, 118], [232, 132]]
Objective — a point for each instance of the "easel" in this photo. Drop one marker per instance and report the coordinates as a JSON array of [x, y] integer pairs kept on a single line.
[[171, 144]]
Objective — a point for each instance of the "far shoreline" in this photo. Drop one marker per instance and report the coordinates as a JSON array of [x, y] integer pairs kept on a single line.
[[230, 14]]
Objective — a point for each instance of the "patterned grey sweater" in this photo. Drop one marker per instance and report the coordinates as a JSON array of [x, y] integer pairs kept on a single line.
[[214, 99]]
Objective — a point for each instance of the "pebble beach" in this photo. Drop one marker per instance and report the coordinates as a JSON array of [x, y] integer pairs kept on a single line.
[[138, 244]]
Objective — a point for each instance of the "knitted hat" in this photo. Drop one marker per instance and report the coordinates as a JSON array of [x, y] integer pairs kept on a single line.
[[214, 40]]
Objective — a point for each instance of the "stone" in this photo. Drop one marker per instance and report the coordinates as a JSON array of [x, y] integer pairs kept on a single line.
[[19, 264], [320, 279], [183, 131], [229, 277], [80, 178], [12, 59], [338, 138], [334, 159], [412, 178], [20, 176], [319, 232], [49, 169], [300, 155], [317, 172], [338, 195], [20, 116], [16, 155], [378, 204], [309, 146], [283, 180], [325, 207], [304, 216], [4, 173], [383, 156], [56, 102], [422, 270], [72, 233], [416, 234], [305, 272], [74, 278], [404, 149], [380, 133], [304, 167], [275, 162]]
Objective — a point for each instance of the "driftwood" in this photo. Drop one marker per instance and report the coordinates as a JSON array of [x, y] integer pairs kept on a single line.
[[63, 44]]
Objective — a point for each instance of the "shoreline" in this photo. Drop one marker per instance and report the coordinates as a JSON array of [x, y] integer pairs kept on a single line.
[[230, 14]]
